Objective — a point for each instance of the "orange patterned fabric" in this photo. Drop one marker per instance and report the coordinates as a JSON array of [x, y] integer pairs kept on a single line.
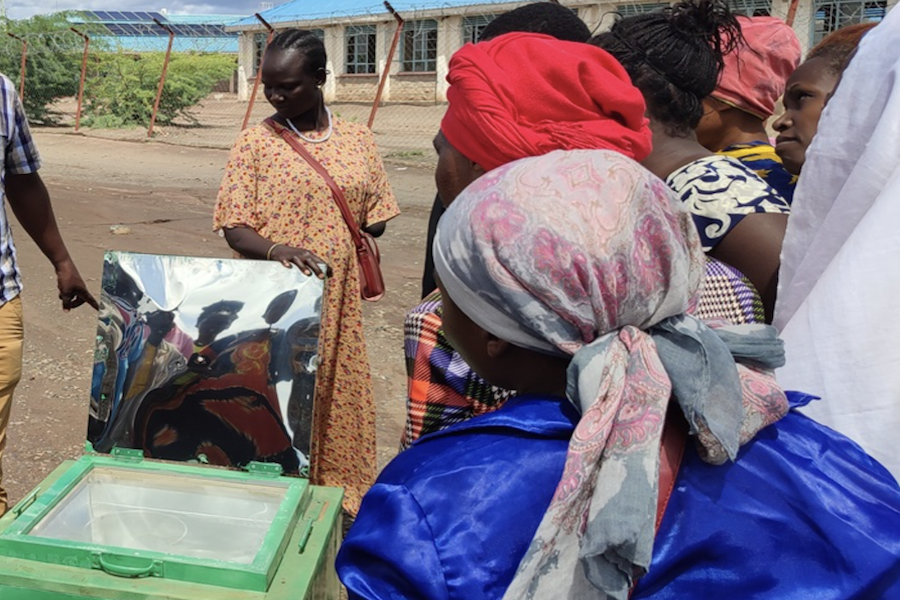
[[271, 189]]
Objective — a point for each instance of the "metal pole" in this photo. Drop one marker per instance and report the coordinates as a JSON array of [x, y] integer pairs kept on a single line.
[[24, 64], [162, 77], [84, 57], [792, 13], [258, 72], [387, 63]]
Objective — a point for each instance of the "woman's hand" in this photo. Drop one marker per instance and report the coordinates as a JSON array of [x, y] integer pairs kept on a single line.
[[247, 242], [306, 261]]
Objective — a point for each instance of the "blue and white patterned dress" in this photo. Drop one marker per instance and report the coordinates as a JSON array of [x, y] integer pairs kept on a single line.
[[719, 191]]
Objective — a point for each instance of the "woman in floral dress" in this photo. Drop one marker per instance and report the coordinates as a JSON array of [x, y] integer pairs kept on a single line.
[[273, 205]]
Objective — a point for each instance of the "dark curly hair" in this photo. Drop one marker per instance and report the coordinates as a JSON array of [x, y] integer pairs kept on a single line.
[[305, 42], [541, 17], [674, 56]]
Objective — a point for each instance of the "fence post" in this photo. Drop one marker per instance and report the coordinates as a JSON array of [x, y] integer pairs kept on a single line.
[[24, 63], [387, 63], [792, 13], [84, 58], [162, 77], [252, 100]]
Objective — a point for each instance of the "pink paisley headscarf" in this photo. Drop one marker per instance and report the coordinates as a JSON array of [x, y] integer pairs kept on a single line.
[[585, 253]]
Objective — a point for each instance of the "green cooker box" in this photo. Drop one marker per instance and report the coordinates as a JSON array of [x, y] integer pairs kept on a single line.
[[125, 526]]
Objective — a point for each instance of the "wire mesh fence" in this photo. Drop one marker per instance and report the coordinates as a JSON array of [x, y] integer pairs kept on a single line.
[[210, 72]]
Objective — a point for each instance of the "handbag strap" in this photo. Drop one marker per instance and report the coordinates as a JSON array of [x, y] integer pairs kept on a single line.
[[671, 451], [336, 191]]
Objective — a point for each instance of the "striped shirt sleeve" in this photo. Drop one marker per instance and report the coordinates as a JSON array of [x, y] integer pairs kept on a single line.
[[21, 155]]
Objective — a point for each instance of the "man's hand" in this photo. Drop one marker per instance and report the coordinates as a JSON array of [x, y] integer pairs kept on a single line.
[[72, 290]]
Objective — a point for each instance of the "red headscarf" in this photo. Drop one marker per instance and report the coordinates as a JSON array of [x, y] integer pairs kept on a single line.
[[526, 94], [755, 74]]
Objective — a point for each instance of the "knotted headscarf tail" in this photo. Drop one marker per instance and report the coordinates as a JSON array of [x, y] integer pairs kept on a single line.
[[526, 94], [586, 253]]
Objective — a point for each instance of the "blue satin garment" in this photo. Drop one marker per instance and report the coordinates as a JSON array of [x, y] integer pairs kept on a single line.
[[803, 513]]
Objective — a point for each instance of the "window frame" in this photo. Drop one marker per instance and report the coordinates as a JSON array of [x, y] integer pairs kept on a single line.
[[473, 27], [822, 23], [352, 36], [259, 47], [632, 10], [421, 38], [752, 8]]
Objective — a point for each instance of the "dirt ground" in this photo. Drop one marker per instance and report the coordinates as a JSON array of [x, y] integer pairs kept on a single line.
[[164, 194]]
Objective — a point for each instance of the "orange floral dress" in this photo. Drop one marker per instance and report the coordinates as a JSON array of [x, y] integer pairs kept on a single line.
[[271, 189]]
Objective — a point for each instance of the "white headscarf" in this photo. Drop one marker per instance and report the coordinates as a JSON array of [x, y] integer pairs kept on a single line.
[[840, 272]]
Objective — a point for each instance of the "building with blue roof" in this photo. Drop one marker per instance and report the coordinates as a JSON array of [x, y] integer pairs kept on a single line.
[[136, 31], [358, 34]]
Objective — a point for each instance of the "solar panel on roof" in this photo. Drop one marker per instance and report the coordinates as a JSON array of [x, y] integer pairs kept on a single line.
[[102, 15]]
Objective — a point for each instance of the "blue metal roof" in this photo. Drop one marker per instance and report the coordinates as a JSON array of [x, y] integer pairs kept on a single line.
[[311, 10]]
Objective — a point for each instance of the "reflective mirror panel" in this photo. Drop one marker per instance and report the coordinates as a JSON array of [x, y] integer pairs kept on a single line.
[[206, 359]]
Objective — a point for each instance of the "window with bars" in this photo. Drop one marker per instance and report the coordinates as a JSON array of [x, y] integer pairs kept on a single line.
[[360, 41], [632, 10], [752, 8], [473, 27], [418, 51], [259, 46], [834, 14]]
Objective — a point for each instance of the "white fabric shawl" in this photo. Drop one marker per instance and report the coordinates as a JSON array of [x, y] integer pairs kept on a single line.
[[839, 292]]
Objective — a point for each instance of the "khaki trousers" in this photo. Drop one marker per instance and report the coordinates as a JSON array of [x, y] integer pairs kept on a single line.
[[11, 337]]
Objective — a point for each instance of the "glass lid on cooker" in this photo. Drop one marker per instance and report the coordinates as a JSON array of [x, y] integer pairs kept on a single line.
[[175, 513]]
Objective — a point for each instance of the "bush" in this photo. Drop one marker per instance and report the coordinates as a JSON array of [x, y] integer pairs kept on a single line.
[[53, 68], [122, 88]]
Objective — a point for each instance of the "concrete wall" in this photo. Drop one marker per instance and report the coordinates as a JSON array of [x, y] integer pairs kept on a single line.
[[355, 88], [413, 87]]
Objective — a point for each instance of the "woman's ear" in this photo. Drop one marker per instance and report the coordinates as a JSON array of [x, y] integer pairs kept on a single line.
[[321, 76], [496, 347]]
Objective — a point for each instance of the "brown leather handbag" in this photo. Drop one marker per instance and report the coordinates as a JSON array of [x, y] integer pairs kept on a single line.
[[371, 281]]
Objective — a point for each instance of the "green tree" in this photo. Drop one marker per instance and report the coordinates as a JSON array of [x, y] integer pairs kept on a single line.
[[53, 65], [123, 87]]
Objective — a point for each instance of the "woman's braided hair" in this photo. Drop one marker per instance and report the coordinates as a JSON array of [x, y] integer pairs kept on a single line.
[[674, 56], [305, 42]]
